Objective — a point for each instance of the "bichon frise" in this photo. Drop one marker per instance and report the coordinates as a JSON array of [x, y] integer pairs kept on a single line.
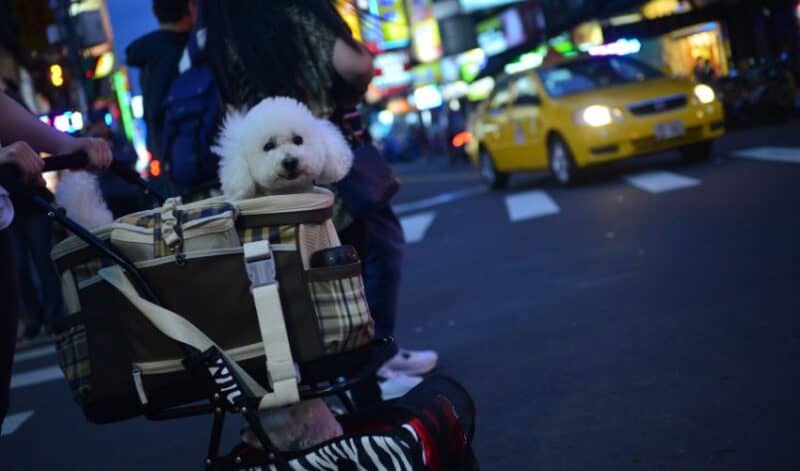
[[279, 146]]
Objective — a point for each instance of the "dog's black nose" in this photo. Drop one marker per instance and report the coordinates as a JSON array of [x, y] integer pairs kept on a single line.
[[290, 163]]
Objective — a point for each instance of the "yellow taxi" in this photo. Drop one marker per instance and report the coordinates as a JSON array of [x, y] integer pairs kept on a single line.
[[585, 111]]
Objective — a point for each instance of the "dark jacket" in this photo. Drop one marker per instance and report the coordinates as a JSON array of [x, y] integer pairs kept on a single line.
[[157, 54]]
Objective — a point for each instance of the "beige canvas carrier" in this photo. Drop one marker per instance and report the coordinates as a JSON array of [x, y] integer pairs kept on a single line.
[[232, 274]]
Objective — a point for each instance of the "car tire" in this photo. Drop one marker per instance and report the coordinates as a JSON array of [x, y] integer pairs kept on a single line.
[[495, 179], [698, 152], [560, 161]]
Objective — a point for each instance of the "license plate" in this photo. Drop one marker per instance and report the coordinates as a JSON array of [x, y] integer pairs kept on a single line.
[[669, 130]]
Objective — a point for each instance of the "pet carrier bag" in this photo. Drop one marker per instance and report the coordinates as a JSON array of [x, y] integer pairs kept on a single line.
[[237, 273]]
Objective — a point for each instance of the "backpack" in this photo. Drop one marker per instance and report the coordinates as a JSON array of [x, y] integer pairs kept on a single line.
[[192, 112]]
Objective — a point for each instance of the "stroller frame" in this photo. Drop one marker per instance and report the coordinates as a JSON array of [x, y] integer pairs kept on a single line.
[[227, 393]]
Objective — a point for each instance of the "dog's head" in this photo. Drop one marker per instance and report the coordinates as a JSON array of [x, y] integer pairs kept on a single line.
[[279, 146]]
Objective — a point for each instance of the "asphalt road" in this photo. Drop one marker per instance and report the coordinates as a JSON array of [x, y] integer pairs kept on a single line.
[[647, 319]]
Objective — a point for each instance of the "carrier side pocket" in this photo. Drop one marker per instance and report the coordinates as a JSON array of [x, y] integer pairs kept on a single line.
[[340, 302], [72, 348]]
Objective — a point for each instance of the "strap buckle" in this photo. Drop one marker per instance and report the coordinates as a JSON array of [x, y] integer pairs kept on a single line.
[[260, 263]]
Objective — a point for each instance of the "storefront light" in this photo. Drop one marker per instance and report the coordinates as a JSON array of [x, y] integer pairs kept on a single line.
[[620, 47], [480, 89], [105, 65], [427, 97], [137, 106], [386, 117], [526, 61], [76, 121], [61, 122]]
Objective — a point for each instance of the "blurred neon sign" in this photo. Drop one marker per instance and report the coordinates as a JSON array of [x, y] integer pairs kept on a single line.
[[427, 97], [620, 47], [69, 122]]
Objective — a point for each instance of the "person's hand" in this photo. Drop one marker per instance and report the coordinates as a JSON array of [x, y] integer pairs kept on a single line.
[[23, 157], [97, 149]]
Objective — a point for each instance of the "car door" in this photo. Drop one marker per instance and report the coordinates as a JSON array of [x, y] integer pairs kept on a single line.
[[525, 119], [496, 132]]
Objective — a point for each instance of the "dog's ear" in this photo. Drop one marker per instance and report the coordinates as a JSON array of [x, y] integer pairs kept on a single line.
[[234, 173], [338, 155]]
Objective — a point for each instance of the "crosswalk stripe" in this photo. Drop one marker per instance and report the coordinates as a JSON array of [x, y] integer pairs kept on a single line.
[[34, 353], [14, 421], [776, 154], [33, 377], [660, 181], [415, 226], [438, 200], [530, 204]]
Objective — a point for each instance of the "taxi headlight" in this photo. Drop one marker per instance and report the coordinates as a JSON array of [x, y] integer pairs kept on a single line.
[[704, 93], [595, 116]]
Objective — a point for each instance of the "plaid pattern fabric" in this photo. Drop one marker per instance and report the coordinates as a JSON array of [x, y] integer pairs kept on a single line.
[[152, 220], [88, 270], [275, 234], [73, 358], [343, 313]]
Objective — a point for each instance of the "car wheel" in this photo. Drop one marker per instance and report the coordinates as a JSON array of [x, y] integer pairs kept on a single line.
[[495, 179], [562, 165], [697, 152]]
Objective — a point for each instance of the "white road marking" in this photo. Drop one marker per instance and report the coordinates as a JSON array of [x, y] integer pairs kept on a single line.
[[13, 422], [660, 181], [438, 200], [415, 227], [33, 377], [528, 205], [777, 154], [34, 353]]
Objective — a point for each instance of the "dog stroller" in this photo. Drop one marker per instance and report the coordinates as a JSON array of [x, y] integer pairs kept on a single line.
[[217, 307]]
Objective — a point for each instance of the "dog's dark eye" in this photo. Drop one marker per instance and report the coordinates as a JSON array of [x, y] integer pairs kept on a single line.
[[297, 140], [269, 146]]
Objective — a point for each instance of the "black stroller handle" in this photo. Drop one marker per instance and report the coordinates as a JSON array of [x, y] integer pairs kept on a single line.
[[74, 161], [10, 174]]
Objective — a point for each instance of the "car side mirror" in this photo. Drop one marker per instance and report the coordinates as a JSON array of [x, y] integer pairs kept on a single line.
[[530, 100]]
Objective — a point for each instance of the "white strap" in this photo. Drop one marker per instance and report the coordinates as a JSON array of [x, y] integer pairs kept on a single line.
[[177, 328], [280, 365]]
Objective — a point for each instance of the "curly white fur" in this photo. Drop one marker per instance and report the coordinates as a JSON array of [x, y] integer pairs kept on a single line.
[[254, 146], [79, 194]]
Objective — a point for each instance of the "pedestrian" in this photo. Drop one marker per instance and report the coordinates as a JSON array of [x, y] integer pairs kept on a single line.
[[157, 55], [303, 49], [39, 282], [26, 135]]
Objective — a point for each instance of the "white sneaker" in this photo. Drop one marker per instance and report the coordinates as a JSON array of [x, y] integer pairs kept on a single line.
[[394, 384], [413, 362]]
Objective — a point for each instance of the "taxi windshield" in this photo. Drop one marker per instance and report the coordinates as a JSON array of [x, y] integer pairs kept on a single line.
[[592, 73]]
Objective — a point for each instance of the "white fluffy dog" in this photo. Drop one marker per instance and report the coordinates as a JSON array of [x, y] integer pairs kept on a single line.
[[279, 146], [79, 193]]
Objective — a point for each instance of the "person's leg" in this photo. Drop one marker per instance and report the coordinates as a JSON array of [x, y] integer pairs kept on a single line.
[[367, 393], [382, 272], [8, 323], [383, 267], [31, 302], [40, 240]]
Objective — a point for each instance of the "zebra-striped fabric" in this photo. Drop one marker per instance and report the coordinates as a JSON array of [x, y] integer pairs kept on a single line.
[[366, 452]]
